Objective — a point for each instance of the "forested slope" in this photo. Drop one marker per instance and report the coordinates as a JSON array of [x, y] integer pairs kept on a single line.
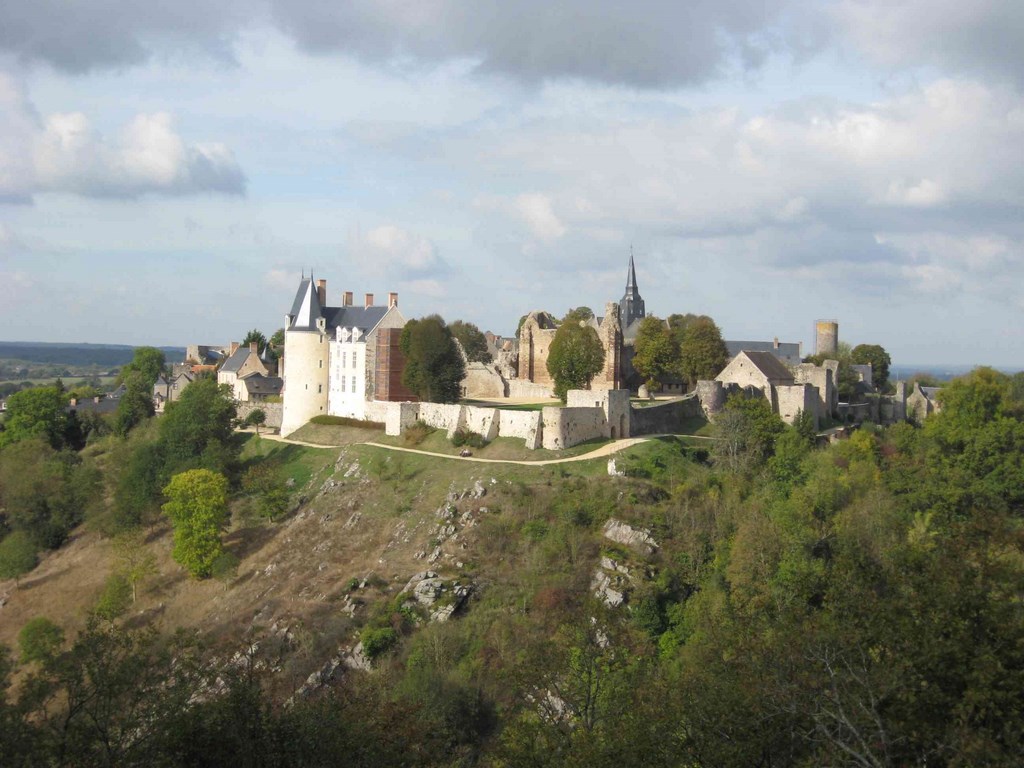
[[767, 604]]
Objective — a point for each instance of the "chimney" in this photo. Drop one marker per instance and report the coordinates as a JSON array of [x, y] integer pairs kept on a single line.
[[776, 342], [254, 347], [234, 348], [392, 300], [74, 402], [321, 292], [369, 300], [348, 299]]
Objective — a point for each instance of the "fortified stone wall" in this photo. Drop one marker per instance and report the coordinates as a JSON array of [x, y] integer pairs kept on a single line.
[[482, 382], [483, 421], [792, 400], [525, 425], [442, 416], [566, 427], [664, 418], [520, 389], [823, 377], [274, 412]]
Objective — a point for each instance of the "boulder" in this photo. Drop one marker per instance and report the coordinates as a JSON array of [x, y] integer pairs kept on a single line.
[[635, 538]]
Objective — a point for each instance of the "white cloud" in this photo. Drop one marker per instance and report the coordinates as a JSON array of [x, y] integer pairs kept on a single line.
[[398, 253], [537, 212], [64, 153]]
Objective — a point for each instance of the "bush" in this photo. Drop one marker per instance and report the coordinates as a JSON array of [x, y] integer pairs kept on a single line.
[[418, 432], [345, 421], [39, 640], [378, 640], [466, 437], [17, 555], [115, 598]]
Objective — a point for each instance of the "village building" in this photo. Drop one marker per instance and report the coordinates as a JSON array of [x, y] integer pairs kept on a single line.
[[245, 363]]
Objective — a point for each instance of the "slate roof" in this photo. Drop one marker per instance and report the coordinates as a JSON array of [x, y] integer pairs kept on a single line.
[[306, 310], [258, 384], [930, 392], [768, 364], [234, 363], [789, 352]]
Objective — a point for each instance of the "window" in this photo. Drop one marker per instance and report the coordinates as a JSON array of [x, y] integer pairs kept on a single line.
[[321, 364], [353, 383], [320, 388], [342, 383], [344, 359], [353, 358]]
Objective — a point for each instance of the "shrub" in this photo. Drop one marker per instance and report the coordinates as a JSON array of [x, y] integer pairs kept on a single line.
[[378, 640], [17, 555], [115, 598], [466, 437], [39, 640], [345, 421], [418, 432]]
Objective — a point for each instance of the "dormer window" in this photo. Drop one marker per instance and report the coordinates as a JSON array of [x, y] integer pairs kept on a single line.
[[357, 334]]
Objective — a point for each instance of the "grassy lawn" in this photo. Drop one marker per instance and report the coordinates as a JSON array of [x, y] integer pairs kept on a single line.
[[297, 462], [513, 406], [335, 435], [503, 448]]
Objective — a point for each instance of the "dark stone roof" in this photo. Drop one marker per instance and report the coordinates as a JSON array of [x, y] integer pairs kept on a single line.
[[258, 384], [930, 392], [306, 310], [768, 364], [104, 404], [234, 363], [786, 351]]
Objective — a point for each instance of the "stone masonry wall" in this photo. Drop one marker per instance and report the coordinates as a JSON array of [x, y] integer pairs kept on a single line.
[[796, 398], [566, 427], [664, 418], [525, 425], [274, 412]]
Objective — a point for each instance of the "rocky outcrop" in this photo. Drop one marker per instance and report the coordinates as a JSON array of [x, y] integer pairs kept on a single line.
[[634, 538]]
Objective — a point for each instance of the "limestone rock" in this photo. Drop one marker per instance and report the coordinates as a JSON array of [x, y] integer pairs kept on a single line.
[[613, 469], [357, 659], [601, 585], [637, 538]]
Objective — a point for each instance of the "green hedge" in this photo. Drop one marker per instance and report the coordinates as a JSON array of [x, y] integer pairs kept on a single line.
[[345, 421]]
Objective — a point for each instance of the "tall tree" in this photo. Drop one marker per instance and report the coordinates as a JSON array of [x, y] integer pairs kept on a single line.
[[39, 412], [433, 366], [136, 404], [473, 342], [575, 357], [702, 352], [879, 360], [196, 429], [657, 353], [197, 504], [149, 361], [255, 335]]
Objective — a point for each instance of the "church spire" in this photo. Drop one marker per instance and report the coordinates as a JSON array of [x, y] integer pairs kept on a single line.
[[631, 289]]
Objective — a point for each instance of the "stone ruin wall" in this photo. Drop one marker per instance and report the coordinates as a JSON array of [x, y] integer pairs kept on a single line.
[[274, 412]]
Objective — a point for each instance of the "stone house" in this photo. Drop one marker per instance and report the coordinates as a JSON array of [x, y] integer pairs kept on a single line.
[[243, 363], [167, 390], [764, 372], [922, 402], [338, 359]]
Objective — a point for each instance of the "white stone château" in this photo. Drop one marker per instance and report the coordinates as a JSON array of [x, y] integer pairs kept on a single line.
[[338, 359]]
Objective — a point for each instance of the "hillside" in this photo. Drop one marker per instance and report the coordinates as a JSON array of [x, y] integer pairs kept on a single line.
[[77, 355]]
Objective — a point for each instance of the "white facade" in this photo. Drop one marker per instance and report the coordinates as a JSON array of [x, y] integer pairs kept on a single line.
[[348, 358], [305, 378]]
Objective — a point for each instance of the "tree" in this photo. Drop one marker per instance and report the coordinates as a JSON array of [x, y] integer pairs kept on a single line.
[[702, 353], [136, 404], [17, 555], [148, 361], [579, 314], [746, 431], [575, 357], [133, 561], [255, 335], [38, 412], [196, 429], [846, 378], [39, 640], [433, 366], [473, 342], [256, 418], [877, 358], [198, 509], [276, 348], [657, 353]]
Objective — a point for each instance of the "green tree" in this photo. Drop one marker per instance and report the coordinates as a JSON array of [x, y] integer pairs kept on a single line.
[[150, 362], [196, 429], [17, 555], [879, 360], [657, 353], [38, 412], [746, 431], [135, 405], [39, 640], [115, 598], [575, 357], [255, 335], [473, 342], [846, 378], [197, 507], [579, 314], [276, 348], [433, 366], [133, 561], [256, 418], [702, 353]]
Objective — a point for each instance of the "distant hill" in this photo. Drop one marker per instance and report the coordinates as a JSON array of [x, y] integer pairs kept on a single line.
[[103, 355]]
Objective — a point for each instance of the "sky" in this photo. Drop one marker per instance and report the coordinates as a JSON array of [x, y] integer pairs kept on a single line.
[[168, 171]]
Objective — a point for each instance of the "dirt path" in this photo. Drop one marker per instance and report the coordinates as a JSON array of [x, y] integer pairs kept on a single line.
[[597, 453]]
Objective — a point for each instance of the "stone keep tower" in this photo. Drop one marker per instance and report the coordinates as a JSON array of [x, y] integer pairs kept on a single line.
[[826, 337]]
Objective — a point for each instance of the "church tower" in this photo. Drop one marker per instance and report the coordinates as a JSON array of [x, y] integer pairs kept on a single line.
[[631, 308]]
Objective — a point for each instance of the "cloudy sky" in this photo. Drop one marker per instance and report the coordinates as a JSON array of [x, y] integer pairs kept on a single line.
[[167, 170]]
